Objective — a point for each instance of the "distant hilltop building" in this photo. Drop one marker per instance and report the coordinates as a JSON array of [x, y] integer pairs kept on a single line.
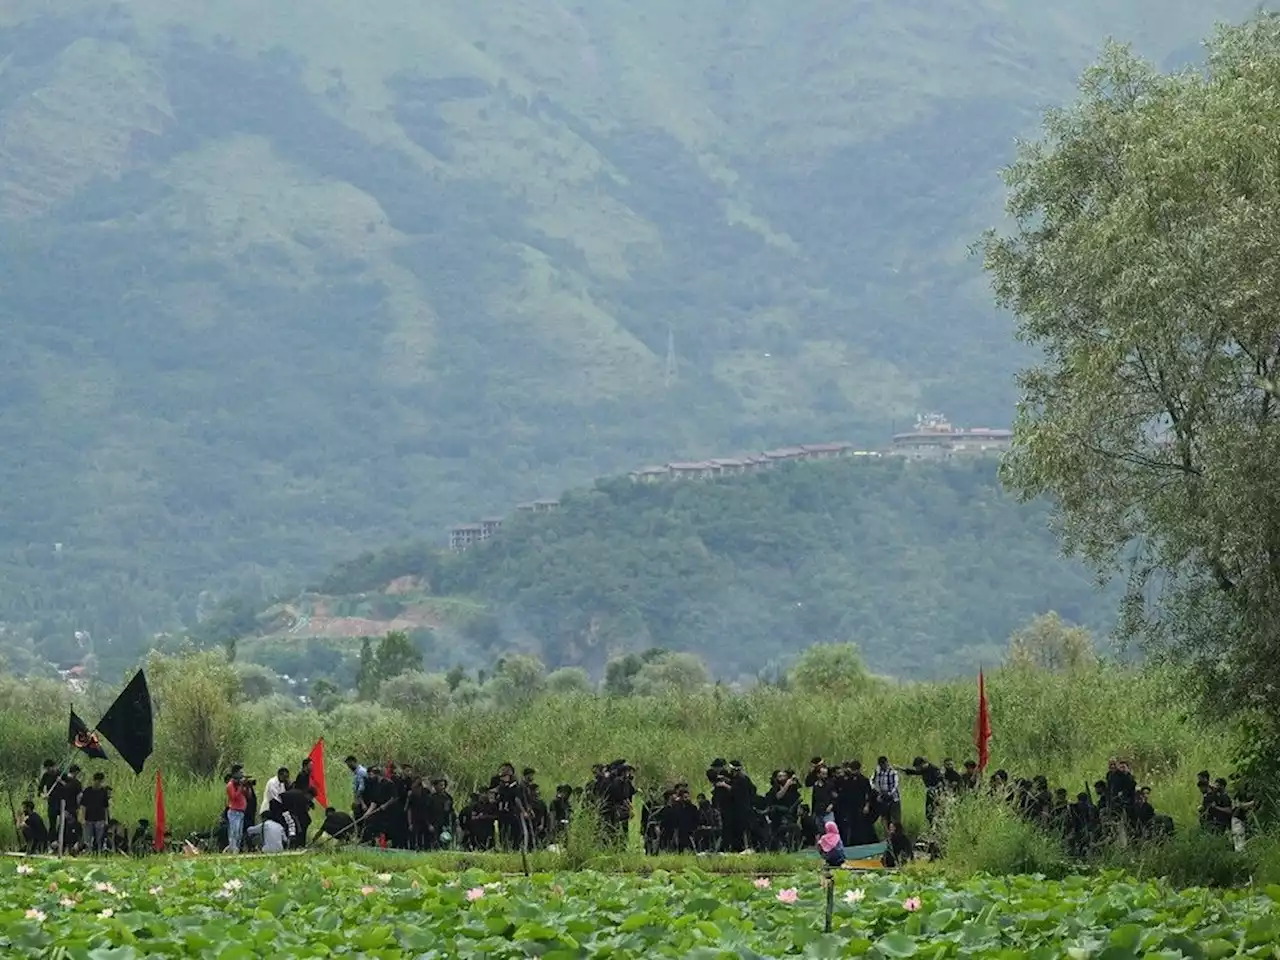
[[749, 463], [467, 534], [934, 436]]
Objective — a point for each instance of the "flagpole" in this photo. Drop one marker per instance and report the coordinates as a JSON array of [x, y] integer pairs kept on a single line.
[[62, 822]]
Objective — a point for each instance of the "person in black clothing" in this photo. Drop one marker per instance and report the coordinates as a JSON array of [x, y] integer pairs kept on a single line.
[[1144, 814], [782, 811], [620, 792], [70, 833], [95, 800], [707, 839], [678, 823], [484, 818], [1122, 788], [1041, 802], [303, 779], [856, 799], [422, 825], [49, 778], [952, 779], [35, 836], [67, 791], [142, 842], [969, 779], [561, 812], [539, 817], [933, 782], [1205, 785], [512, 802], [250, 787], [1082, 826], [899, 849], [338, 824], [1059, 813], [443, 818], [650, 814], [819, 779], [297, 802], [1216, 807]]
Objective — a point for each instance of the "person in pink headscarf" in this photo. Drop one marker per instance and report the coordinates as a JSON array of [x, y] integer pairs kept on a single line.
[[830, 846]]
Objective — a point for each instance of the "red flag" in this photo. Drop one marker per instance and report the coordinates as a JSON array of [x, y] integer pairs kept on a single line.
[[158, 843], [316, 756], [390, 770], [982, 732]]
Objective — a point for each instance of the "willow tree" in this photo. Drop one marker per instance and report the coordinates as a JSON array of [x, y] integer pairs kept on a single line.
[[1143, 265]]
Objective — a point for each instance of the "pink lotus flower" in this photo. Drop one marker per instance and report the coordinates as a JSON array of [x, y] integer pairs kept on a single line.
[[474, 894], [36, 915], [23, 870], [911, 904], [366, 890], [788, 895], [761, 883], [106, 914], [67, 903], [156, 891]]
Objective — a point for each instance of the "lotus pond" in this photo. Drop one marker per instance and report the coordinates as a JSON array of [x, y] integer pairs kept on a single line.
[[309, 907]]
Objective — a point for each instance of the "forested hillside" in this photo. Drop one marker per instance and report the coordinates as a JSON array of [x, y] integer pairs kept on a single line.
[[928, 567], [280, 282]]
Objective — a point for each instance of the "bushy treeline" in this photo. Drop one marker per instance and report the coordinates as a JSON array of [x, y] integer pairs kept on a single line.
[[1063, 725], [930, 566]]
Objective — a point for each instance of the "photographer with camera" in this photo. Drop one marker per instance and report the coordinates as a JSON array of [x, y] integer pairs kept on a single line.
[[237, 803]]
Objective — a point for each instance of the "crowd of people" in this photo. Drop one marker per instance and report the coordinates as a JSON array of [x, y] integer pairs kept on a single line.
[[396, 806], [77, 817]]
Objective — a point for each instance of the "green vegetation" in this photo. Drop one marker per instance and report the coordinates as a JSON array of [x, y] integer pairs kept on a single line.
[[282, 286], [1151, 418], [223, 908], [1063, 725], [928, 567]]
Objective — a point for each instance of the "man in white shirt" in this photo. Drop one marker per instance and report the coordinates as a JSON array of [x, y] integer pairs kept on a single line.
[[276, 787], [272, 834]]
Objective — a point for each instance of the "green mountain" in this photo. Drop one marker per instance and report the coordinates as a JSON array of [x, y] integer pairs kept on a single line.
[[280, 282], [929, 567]]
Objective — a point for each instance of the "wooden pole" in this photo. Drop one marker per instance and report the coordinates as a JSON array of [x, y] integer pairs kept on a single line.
[[830, 884], [62, 822]]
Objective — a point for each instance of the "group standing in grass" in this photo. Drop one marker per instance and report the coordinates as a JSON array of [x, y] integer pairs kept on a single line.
[[395, 806]]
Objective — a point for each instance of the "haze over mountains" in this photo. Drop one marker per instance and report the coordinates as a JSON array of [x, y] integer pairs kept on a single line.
[[283, 281]]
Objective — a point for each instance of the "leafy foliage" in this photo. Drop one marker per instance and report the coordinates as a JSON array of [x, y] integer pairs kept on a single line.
[[1143, 266], [927, 567], [207, 908]]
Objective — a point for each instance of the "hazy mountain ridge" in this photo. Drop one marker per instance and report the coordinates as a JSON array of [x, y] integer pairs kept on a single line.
[[283, 282]]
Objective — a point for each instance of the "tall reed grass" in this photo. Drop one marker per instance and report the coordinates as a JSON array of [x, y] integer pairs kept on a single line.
[[1064, 727]]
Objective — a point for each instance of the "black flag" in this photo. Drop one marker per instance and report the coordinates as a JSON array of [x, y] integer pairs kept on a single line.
[[82, 738], [127, 723]]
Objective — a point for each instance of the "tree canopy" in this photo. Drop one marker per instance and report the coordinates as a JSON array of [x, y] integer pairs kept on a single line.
[[1144, 265]]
